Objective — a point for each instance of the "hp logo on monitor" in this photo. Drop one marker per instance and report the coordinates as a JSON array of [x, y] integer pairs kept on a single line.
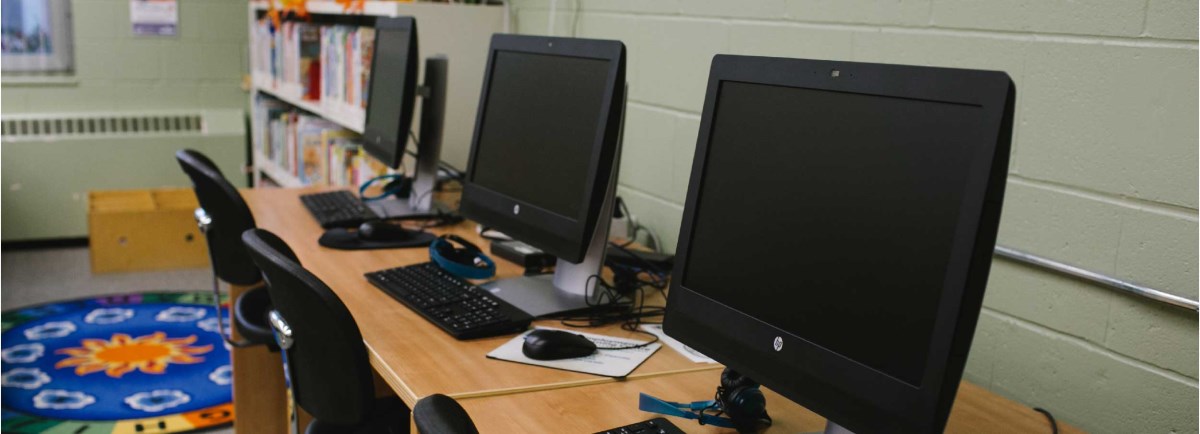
[[778, 343], [516, 209]]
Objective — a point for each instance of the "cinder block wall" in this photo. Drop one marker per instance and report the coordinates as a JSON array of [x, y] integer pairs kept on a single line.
[[202, 67], [1103, 173]]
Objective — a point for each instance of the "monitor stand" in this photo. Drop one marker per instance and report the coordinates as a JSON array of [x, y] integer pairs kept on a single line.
[[429, 147], [572, 287], [832, 427]]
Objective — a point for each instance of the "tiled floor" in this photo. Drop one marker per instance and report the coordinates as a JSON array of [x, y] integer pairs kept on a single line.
[[30, 277]]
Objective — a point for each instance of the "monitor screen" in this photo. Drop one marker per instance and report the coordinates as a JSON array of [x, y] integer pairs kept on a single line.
[[830, 215], [539, 129], [391, 94]]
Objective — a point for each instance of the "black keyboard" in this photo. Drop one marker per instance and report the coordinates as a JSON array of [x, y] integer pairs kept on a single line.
[[463, 310], [657, 425], [337, 209]]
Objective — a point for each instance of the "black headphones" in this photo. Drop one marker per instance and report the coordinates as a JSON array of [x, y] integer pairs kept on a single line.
[[468, 262], [743, 402]]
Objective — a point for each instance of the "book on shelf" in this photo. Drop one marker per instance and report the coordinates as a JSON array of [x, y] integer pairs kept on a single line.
[[312, 149], [326, 63]]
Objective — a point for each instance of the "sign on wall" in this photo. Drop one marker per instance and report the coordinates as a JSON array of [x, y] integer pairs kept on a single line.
[[154, 17]]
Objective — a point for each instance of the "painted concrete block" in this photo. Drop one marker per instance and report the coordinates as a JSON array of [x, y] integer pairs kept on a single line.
[[1060, 226], [222, 60], [185, 61], [95, 61], [147, 96], [632, 7], [1163, 336], [1112, 17], [646, 161], [137, 59], [1172, 19], [1087, 386], [789, 40], [1116, 119], [906, 13], [678, 53], [217, 23], [222, 94], [96, 21], [15, 100], [661, 216], [536, 22], [1159, 250], [942, 50], [763, 9], [1062, 303]]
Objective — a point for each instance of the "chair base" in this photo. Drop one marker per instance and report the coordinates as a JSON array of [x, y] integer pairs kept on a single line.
[[388, 415]]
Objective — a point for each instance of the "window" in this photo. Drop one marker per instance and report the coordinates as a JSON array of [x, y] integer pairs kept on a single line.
[[36, 35]]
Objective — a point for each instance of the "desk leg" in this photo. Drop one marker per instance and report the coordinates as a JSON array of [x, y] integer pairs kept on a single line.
[[259, 395]]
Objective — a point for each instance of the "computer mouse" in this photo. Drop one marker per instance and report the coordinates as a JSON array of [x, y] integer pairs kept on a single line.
[[544, 344], [379, 230]]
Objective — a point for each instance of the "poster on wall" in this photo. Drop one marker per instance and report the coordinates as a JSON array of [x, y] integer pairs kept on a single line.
[[154, 17]]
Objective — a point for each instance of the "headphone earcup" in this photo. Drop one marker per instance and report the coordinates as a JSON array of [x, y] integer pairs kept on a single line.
[[743, 401], [731, 380], [745, 405]]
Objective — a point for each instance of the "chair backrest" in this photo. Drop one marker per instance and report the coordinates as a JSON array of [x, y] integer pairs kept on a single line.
[[230, 217], [327, 362], [441, 414]]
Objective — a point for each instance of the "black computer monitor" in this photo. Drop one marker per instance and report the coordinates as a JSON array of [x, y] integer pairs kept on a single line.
[[392, 89], [543, 155], [838, 232]]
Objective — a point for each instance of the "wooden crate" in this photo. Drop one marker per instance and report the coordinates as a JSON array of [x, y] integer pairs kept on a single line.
[[131, 230]]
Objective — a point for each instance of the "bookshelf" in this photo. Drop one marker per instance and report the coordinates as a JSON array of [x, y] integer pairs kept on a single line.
[[461, 32]]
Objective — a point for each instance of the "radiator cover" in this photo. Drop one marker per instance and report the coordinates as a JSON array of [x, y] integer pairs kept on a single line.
[[49, 162]]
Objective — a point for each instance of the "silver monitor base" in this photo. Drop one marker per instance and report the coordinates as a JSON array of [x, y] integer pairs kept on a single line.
[[537, 296], [393, 207], [834, 428]]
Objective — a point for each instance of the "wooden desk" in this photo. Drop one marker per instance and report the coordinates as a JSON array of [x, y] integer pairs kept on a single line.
[[413, 356], [598, 407], [416, 359]]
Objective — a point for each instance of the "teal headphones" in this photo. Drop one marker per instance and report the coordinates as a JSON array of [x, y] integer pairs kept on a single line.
[[397, 186], [467, 262]]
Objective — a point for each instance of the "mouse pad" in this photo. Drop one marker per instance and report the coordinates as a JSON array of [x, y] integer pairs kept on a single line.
[[343, 239], [608, 363]]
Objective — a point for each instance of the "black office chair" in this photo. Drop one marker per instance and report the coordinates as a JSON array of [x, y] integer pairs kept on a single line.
[[222, 217], [323, 352], [441, 414]]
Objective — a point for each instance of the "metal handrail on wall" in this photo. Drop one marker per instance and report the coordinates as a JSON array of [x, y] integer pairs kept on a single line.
[[1097, 278]]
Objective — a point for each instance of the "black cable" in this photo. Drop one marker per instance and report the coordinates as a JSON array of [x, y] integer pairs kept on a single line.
[[1053, 423], [454, 172], [610, 307]]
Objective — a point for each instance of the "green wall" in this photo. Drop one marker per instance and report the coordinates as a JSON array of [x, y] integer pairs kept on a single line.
[[45, 182], [1103, 173], [202, 67]]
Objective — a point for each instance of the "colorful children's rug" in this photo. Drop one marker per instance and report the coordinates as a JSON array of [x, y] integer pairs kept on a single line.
[[136, 363]]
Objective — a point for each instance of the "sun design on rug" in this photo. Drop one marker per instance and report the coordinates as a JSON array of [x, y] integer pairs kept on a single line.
[[123, 354]]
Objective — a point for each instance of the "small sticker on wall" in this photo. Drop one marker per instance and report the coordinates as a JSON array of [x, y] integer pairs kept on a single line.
[[154, 17]]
